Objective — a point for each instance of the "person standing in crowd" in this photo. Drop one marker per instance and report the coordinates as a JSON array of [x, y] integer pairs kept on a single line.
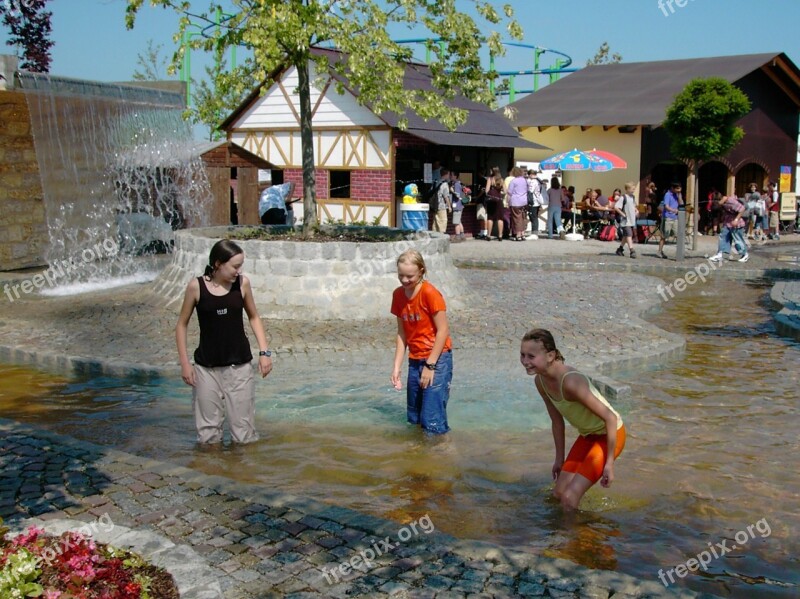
[[651, 200], [732, 229], [479, 199], [673, 199], [554, 225], [626, 209], [494, 204], [422, 327], [456, 194], [774, 207], [222, 375], [536, 190], [443, 202], [567, 204], [518, 202]]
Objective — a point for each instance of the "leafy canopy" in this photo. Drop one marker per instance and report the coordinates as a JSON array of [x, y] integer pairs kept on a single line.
[[701, 120], [29, 25], [604, 56], [282, 32]]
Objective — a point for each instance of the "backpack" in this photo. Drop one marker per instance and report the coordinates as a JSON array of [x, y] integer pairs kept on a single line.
[[608, 233], [432, 196]]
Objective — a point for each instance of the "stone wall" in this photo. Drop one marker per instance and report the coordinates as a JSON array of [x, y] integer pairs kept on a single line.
[[23, 231], [314, 280]]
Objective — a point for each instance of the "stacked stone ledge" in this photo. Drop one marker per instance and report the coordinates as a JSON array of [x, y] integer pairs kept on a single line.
[[306, 280]]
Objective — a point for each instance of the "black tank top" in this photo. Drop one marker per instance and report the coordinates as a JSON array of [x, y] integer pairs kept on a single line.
[[222, 338]]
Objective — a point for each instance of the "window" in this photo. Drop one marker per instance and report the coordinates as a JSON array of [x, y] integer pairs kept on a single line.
[[339, 184]]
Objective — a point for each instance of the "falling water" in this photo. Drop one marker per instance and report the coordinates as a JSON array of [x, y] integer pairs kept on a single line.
[[119, 172]]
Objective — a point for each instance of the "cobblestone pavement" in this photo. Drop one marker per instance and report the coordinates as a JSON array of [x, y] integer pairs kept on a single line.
[[263, 544]]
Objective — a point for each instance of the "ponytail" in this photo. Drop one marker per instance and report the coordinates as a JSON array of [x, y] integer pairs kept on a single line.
[[544, 337]]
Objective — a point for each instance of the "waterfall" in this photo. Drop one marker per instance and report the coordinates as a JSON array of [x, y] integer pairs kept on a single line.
[[119, 173]]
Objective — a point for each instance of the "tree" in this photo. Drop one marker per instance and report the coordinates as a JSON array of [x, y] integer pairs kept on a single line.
[[701, 124], [219, 96], [283, 32], [151, 63], [603, 56], [29, 25]]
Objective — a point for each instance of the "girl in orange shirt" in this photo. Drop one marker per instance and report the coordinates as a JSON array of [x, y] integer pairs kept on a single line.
[[422, 327]]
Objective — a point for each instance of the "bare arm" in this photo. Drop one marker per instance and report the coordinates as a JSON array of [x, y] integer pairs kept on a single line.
[[190, 299], [264, 362], [559, 430], [399, 352]]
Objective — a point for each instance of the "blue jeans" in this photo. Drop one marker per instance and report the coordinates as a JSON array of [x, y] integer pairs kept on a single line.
[[553, 220], [428, 406], [730, 235]]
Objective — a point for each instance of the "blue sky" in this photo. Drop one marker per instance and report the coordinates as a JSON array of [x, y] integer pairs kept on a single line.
[[92, 42]]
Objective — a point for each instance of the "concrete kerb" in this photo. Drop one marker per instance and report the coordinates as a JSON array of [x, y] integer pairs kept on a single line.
[[785, 296], [192, 573]]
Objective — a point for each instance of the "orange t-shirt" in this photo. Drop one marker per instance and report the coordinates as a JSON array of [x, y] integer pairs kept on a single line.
[[417, 316]]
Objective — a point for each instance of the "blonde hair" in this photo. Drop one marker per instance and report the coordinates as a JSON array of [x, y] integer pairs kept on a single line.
[[630, 186], [413, 257]]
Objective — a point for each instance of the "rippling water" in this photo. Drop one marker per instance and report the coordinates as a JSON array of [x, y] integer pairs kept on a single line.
[[711, 449]]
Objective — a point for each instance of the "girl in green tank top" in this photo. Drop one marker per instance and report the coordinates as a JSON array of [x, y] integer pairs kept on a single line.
[[570, 396]]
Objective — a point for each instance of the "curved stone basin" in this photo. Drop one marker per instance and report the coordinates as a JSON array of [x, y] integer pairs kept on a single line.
[[309, 280]]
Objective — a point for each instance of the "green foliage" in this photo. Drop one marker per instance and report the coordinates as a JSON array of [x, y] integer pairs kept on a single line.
[[604, 56], [701, 120], [152, 64], [18, 576], [219, 96], [281, 33]]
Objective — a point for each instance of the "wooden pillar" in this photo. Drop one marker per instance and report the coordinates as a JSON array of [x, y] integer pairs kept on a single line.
[[220, 180], [247, 187]]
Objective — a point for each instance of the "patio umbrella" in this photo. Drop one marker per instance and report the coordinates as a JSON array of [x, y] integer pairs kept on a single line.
[[616, 161], [575, 160]]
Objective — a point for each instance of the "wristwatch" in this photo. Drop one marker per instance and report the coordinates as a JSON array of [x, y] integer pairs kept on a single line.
[[430, 365], [265, 352]]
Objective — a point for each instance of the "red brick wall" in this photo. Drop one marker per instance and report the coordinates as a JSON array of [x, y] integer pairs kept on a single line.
[[371, 185], [406, 140], [295, 175]]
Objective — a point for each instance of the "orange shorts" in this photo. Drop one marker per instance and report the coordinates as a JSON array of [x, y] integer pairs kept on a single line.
[[588, 455]]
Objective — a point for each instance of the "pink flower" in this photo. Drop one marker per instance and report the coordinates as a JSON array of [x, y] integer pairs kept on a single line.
[[52, 595], [28, 537]]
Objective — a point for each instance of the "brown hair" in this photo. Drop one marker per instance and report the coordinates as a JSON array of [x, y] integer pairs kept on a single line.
[[544, 337], [413, 257], [221, 252]]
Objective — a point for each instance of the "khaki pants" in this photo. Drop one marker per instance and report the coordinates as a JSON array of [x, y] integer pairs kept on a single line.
[[440, 221], [226, 390]]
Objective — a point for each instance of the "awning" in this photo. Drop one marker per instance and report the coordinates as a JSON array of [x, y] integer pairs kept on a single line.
[[456, 138]]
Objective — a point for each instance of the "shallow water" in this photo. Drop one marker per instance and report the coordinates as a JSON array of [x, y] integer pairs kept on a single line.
[[711, 447]]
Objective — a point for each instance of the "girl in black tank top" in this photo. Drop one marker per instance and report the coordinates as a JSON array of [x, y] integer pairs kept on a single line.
[[222, 377]]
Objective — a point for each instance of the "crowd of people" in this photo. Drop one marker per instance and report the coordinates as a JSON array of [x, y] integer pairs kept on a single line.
[[510, 208]]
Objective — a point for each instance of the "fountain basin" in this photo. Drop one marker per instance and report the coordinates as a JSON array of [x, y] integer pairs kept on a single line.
[[318, 280]]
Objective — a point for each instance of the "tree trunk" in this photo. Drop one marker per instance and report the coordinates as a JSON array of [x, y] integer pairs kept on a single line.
[[307, 146], [695, 202]]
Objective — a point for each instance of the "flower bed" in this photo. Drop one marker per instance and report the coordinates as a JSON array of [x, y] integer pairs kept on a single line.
[[73, 566]]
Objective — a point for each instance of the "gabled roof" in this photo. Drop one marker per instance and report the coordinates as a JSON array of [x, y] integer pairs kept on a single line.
[[483, 128], [639, 93]]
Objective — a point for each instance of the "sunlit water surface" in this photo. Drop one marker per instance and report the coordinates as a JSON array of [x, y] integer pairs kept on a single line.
[[712, 446]]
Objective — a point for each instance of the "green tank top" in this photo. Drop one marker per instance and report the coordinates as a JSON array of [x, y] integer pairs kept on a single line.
[[578, 415]]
